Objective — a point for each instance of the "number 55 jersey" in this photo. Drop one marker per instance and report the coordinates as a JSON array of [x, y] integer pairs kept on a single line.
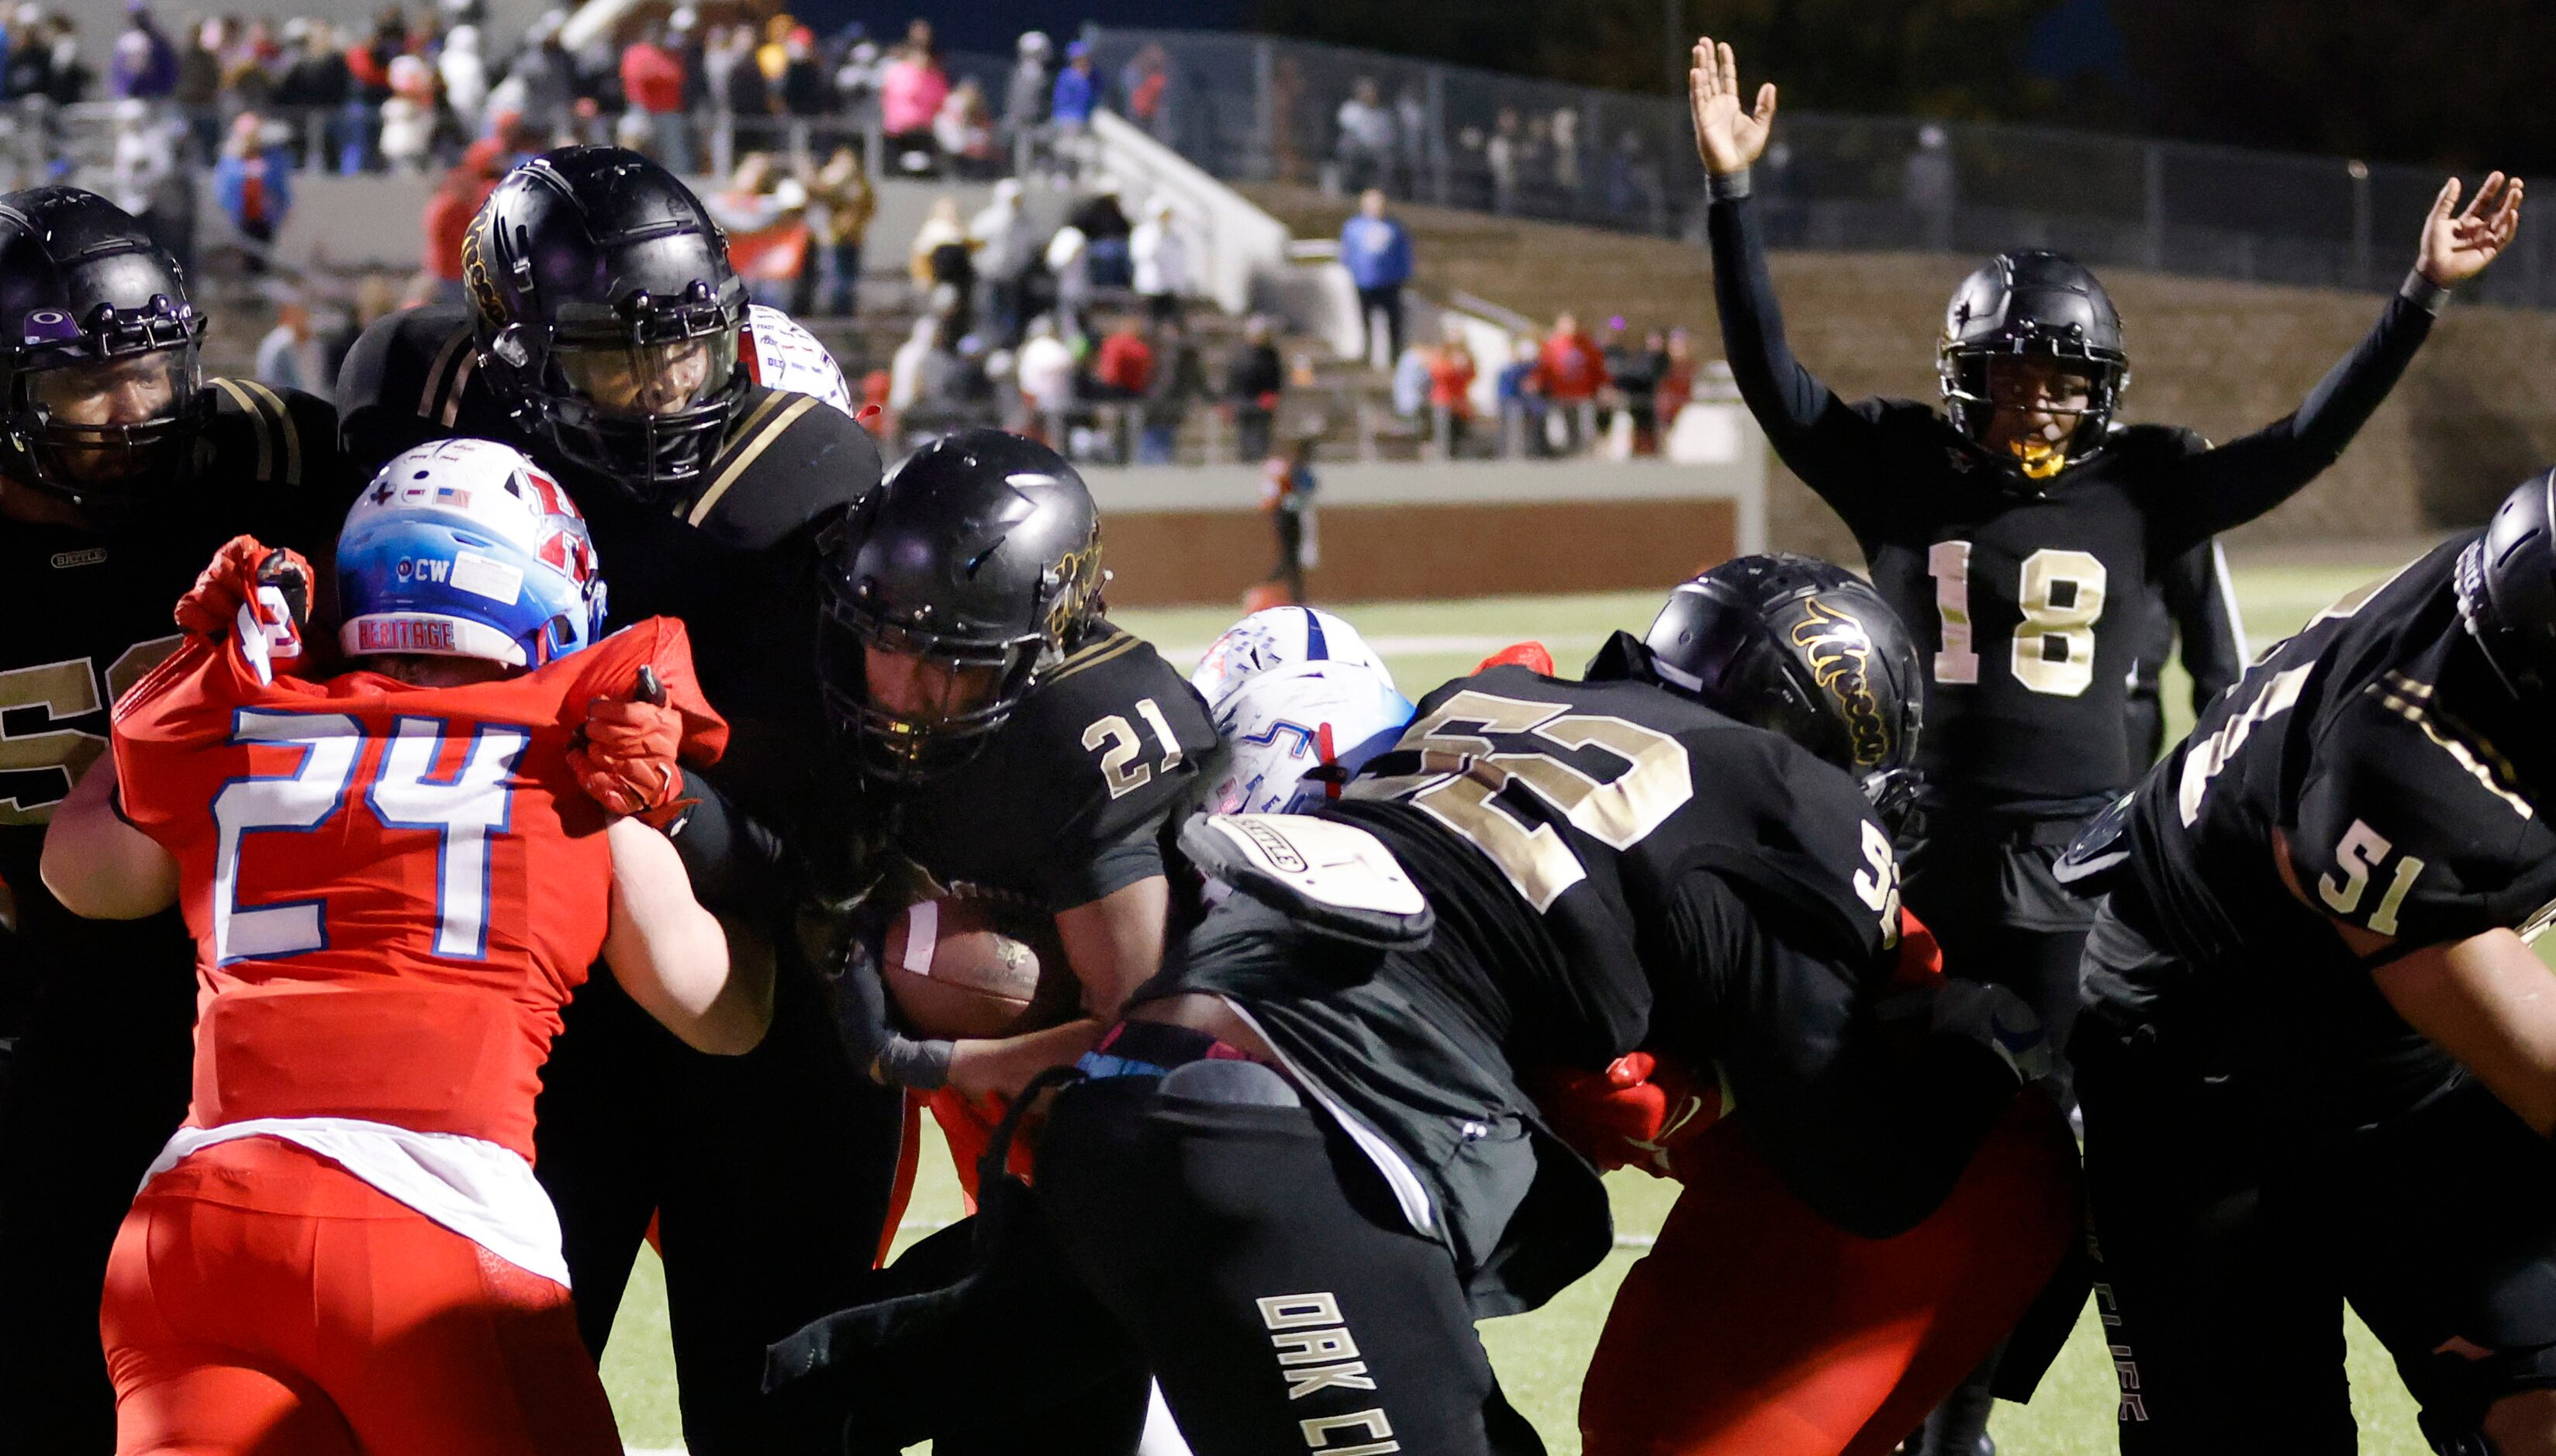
[[2370, 770], [1612, 866], [393, 891]]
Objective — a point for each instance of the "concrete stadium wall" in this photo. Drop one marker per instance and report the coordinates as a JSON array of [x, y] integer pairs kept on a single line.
[[1198, 534], [2474, 416]]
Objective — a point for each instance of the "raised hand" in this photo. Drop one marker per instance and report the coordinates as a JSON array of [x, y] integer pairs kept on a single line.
[[2457, 245], [1727, 137]]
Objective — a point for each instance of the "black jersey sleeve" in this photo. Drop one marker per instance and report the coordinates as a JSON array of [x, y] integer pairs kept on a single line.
[[2410, 825], [1869, 1135], [1837, 449], [1135, 760], [401, 384], [2206, 490], [789, 461], [276, 465], [2203, 603]]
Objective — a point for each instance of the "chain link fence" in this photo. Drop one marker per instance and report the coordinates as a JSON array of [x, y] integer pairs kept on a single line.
[[1255, 109]]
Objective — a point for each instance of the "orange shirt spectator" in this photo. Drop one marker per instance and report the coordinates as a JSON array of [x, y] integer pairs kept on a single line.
[[1571, 368], [652, 77], [1450, 379], [1125, 363]]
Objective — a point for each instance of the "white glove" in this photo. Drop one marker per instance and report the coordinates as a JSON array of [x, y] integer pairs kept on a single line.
[[1997, 1019]]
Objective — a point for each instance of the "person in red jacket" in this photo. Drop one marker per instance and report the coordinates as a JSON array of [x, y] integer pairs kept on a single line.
[[1569, 373]]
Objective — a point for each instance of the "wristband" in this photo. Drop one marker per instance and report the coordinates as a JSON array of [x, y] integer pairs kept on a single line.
[[1725, 186], [906, 1062], [2422, 291]]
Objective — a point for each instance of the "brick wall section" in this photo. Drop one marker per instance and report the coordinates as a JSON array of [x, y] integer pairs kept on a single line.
[[2475, 414]]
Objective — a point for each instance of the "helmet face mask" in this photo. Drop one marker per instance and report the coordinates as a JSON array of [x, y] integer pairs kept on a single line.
[[949, 589], [609, 318], [2031, 364], [99, 377]]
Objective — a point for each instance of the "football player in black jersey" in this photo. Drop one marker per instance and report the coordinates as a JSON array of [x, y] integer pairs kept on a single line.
[[601, 337], [121, 469], [1306, 1166], [2001, 529], [2318, 1059]]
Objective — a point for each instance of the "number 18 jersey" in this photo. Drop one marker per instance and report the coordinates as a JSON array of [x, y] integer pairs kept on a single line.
[[393, 888]]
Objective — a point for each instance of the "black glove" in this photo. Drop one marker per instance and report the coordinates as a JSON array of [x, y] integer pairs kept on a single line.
[[834, 938]]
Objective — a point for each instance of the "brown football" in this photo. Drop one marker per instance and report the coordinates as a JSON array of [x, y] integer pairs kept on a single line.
[[973, 967]]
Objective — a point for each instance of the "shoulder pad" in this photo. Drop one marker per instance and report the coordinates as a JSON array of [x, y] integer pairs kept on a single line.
[[402, 382], [788, 460], [277, 436], [2411, 825], [1115, 723]]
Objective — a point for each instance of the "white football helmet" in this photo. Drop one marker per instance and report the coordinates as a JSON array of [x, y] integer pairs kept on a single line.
[[780, 354], [1278, 637], [1285, 722]]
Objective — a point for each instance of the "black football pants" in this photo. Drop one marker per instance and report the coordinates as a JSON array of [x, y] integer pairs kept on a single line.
[[1259, 1260], [2231, 1238], [768, 1175], [99, 1080]]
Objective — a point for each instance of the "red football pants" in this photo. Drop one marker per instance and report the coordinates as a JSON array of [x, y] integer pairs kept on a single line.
[[1754, 1327], [263, 1299]]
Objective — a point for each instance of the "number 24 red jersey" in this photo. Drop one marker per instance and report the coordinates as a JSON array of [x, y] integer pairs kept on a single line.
[[393, 888]]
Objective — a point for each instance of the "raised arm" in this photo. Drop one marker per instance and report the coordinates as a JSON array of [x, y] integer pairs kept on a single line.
[[97, 865], [2210, 636], [1817, 435], [2243, 478], [670, 955]]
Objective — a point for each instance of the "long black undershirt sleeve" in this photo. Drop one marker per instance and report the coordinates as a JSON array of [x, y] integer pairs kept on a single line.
[[1828, 443], [2228, 485], [1868, 1131], [2213, 642], [734, 863]]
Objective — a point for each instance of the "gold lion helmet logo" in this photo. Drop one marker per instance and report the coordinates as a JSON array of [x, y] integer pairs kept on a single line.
[[1840, 652]]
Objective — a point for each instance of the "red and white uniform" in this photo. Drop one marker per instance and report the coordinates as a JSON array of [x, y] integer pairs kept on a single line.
[[780, 354], [393, 891]]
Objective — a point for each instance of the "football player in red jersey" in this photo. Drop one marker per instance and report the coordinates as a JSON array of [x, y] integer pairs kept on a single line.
[[396, 878]]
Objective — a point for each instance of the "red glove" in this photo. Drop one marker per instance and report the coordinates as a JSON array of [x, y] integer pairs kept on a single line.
[[211, 606], [1528, 654], [1636, 1113]]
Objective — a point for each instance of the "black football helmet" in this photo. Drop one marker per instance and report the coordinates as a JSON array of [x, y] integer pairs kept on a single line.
[[2506, 588], [2032, 304], [608, 315], [980, 559], [1804, 649], [105, 397]]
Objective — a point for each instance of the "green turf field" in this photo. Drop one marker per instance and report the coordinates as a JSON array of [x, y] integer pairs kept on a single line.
[[1540, 1355]]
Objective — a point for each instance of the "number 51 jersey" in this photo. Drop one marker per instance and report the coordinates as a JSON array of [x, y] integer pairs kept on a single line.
[[393, 888]]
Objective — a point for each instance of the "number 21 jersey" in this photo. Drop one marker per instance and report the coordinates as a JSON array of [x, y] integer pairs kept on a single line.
[[393, 890]]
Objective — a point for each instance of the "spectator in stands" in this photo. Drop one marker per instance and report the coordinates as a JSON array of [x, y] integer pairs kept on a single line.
[[685, 39], [1500, 155], [1102, 218], [44, 58], [1567, 176], [805, 89], [409, 116], [1162, 263], [1179, 380], [912, 87], [1411, 135], [965, 131], [1675, 379], [1522, 403], [906, 367], [856, 84], [1007, 249], [1451, 389], [1029, 89], [1076, 95], [843, 188], [149, 183], [465, 73], [651, 82], [736, 84], [1376, 251], [1123, 367], [456, 200], [1044, 371], [200, 81], [1365, 146], [253, 184], [1569, 373], [943, 264], [1928, 185], [1255, 380], [291, 356], [1410, 386], [1068, 265], [548, 76], [1146, 83], [315, 84], [144, 65]]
